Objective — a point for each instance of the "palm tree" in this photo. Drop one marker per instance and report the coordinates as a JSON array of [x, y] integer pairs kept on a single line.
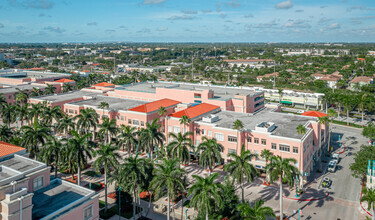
[[282, 169], [50, 89], [369, 197], [86, 119], [209, 151], [301, 129], [238, 125], [241, 167], [103, 105], [151, 137], [363, 100], [65, 124], [206, 194], [8, 113], [34, 112], [35, 92], [6, 133], [108, 158], [349, 102], [51, 152], [34, 136], [21, 96], [132, 175], [168, 176], [281, 92], [22, 112], [128, 138], [67, 87], [179, 147], [162, 112], [184, 120], [51, 114], [256, 212], [108, 129], [79, 150], [369, 131], [331, 114]]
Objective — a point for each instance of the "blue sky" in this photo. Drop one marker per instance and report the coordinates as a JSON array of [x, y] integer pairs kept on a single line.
[[187, 20]]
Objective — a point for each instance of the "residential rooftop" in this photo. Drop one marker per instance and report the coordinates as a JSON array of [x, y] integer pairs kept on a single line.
[[114, 103], [22, 164], [154, 106], [285, 124], [22, 74], [5, 89], [58, 198], [8, 149]]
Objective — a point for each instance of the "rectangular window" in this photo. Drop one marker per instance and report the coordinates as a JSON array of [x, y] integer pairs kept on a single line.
[[38, 183], [135, 122], [71, 111], [232, 151], [142, 123], [203, 132], [264, 142], [184, 130], [75, 111], [256, 140], [232, 139], [197, 131], [122, 118], [248, 139], [295, 150], [169, 128], [87, 212], [219, 136], [197, 95], [176, 129], [283, 147], [118, 117], [197, 142], [256, 153], [129, 121], [209, 133], [274, 146]]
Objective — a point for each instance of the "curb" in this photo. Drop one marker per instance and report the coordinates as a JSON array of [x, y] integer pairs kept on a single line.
[[361, 202], [323, 197]]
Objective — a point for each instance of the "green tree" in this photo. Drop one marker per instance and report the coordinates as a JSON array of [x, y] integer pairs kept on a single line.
[[151, 137], [8, 114], [167, 178], [50, 114], [241, 169], [108, 129], [21, 96], [79, 150], [238, 126], [108, 158], [185, 120], [35, 92], [6, 133], [369, 197], [209, 151], [282, 169], [179, 147], [103, 105], [281, 93], [86, 119], [51, 152], [255, 212], [65, 124], [361, 158], [369, 131], [162, 112], [49, 90], [128, 138], [205, 194], [301, 129], [22, 112], [132, 175], [67, 87], [33, 137]]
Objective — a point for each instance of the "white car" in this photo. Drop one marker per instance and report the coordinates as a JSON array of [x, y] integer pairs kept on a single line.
[[336, 158], [332, 166]]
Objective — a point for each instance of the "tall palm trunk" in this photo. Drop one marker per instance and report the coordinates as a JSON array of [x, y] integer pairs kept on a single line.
[[133, 203], [347, 116], [207, 214], [281, 198], [105, 191], [243, 192], [362, 115], [169, 206], [373, 213], [79, 175]]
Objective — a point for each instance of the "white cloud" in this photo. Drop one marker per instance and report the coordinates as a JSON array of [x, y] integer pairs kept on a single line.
[[92, 24], [189, 11], [249, 15], [284, 5], [218, 6], [233, 4], [297, 24], [334, 26], [162, 29], [181, 17], [152, 2]]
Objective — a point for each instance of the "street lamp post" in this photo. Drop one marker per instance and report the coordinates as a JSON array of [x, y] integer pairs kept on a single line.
[[296, 182], [186, 210]]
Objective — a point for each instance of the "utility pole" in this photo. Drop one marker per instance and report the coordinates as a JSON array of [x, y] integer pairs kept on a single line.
[[274, 75]]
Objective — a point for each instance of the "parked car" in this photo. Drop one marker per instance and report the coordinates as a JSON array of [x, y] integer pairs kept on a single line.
[[332, 166], [336, 158], [326, 182]]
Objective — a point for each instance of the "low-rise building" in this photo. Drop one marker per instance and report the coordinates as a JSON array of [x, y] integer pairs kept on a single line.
[[359, 81]]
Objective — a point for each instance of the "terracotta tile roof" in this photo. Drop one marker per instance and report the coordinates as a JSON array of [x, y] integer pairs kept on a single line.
[[314, 114], [106, 73], [86, 71], [251, 60], [195, 111], [269, 75], [358, 79], [64, 80], [154, 106], [104, 84], [7, 149]]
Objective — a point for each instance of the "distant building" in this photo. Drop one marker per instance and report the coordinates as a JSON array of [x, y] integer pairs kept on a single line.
[[269, 77], [249, 63], [359, 81]]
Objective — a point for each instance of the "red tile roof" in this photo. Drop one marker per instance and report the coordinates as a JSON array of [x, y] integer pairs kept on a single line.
[[104, 84], [250, 60], [153, 106], [195, 111], [314, 114], [64, 80], [7, 149]]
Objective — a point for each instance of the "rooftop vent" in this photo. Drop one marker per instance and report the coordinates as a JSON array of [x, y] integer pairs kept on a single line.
[[210, 118], [265, 127]]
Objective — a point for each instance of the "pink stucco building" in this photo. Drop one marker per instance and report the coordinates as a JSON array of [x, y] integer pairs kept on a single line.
[[26, 191]]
